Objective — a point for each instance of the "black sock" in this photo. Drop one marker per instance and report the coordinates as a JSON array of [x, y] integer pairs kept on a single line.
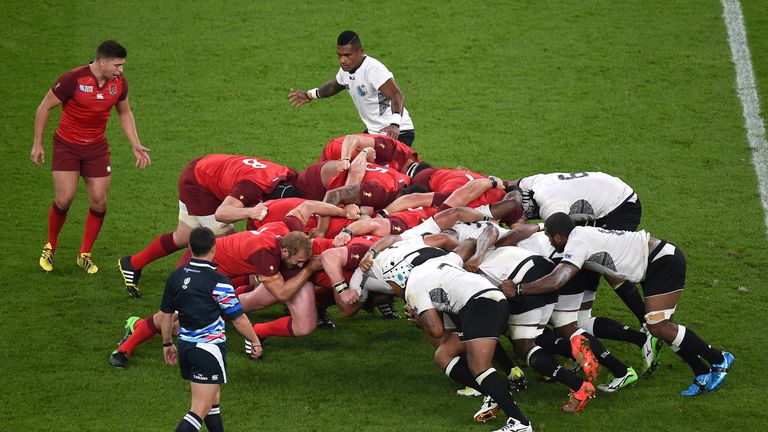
[[460, 373], [628, 293], [502, 359], [693, 343], [694, 361], [493, 385], [190, 423], [609, 328], [213, 420], [604, 357], [543, 362], [554, 345]]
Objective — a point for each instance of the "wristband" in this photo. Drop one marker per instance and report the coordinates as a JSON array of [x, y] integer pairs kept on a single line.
[[373, 252], [313, 94], [167, 344], [340, 287], [541, 226], [494, 183], [347, 230], [396, 119], [383, 213], [519, 289]]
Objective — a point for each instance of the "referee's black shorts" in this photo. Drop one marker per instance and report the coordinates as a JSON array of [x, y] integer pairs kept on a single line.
[[204, 363]]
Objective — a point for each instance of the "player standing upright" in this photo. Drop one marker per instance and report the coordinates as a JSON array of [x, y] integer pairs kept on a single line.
[[372, 87], [87, 95]]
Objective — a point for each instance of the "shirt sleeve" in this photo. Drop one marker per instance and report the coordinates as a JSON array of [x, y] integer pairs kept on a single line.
[[247, 192], [340, 77], [124, 94], [419, 300], [65, 86], [293, 223], [576, 252], [378, 75], [166, 304], [225, 296], [264, 262]]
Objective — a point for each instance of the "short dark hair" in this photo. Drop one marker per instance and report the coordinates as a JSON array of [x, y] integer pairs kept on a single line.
[[110, 49], [348, 37], [201, 241], [416, 188], [559, 223]]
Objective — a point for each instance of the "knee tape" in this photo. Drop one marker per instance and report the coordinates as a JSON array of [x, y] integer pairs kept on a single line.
[[679, 338], [655, 317], [530, 353]]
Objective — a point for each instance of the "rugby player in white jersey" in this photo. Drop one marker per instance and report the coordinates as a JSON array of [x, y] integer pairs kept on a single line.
[[637, 257], [433, 282], [378, 99]]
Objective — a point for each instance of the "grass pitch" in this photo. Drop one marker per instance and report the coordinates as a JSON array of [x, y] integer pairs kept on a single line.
[[642, 90]]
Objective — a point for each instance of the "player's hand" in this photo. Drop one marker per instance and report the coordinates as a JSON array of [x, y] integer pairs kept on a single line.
[[349, 297], [298, 97], [499, 182], [392, 131], [169, 353], [316, 233], [253, 348], [473, 263], [37, 155], [412, 315], [366, 262], [343, 165], [508, 288], [370, 154], [142, 156], [258, 212], [341, 239], [314, 264], [352, 211]]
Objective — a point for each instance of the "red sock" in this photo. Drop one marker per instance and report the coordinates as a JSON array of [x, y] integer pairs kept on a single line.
[[279, 327], [324, 298], [242, 289], [161, 246], [143, 330], [186, 257], [56, 218], [92, 227]]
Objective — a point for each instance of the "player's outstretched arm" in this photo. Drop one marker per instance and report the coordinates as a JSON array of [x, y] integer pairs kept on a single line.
[[300, 97], [484, 242], [49, 102], [128, 123], [472, 191], [552, 282], [410, 201], [391, 91], [283, 289], [518, 234], [380, 245], [232, 210], [351, 144]]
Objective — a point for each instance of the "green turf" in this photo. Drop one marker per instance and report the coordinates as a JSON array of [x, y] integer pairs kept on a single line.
[[642, 90]]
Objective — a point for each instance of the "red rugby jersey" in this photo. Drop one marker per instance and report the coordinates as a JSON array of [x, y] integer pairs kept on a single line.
[[415, 216], [389, 179], [251, 252], [86, 106], [221, 174], [276, 211], [389, 151]]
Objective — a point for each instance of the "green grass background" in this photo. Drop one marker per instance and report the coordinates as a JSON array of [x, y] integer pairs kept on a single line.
[[642, 90]]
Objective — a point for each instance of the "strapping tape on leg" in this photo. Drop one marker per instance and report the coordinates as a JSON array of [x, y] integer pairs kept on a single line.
[[655, 317]]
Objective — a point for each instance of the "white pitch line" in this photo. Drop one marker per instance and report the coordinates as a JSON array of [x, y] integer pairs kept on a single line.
[[747, 89]]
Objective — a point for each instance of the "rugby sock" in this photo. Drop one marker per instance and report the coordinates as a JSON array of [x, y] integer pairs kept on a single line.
[[190, 423], [692, 343], [213, 420], [56, 218], [161, 246], [143, 330], [605, 358], [458, 370], [628, 293], [493, 385], [502, 359], [279, 327], [93, 223], [608, 328], [543, 362], [689, 356], [554, 345]]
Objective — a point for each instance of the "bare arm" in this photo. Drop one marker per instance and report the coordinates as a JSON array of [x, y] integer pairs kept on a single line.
[[431, 323], [552, 282], [343, 195], [49, 102], [357, 169], [166, 329], [285, 289], [487, 238], [333, 261], [243, 325], [232, 210], [391, 91], [128, 123], [448, 218], [515, 236], [380, 245], [410, 201], [349, 145], [471, 191], [301, 97], [362, 226], [306, 209]]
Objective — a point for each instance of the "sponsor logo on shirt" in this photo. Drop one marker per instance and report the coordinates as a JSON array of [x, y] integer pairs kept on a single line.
[[361, 90], [99, 96], [367, 194], [355, 256], [113, 89], [84, 88], [397, 228]]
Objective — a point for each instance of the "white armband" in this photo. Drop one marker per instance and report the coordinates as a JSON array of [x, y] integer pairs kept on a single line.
[[313, 94], [396, 119]]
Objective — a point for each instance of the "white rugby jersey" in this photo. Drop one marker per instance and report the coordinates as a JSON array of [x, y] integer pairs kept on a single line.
[[502, 262], [467, 230], [363, 85], [394, 264], [585, 196], [442, 284], [622, 254], [539, 243]]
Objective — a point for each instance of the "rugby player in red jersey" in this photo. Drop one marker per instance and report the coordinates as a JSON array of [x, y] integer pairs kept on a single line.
[[87, 95], [214, 192], [390, 152]]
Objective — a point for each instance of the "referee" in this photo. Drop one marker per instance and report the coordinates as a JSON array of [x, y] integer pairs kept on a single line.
[[202, 296]]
